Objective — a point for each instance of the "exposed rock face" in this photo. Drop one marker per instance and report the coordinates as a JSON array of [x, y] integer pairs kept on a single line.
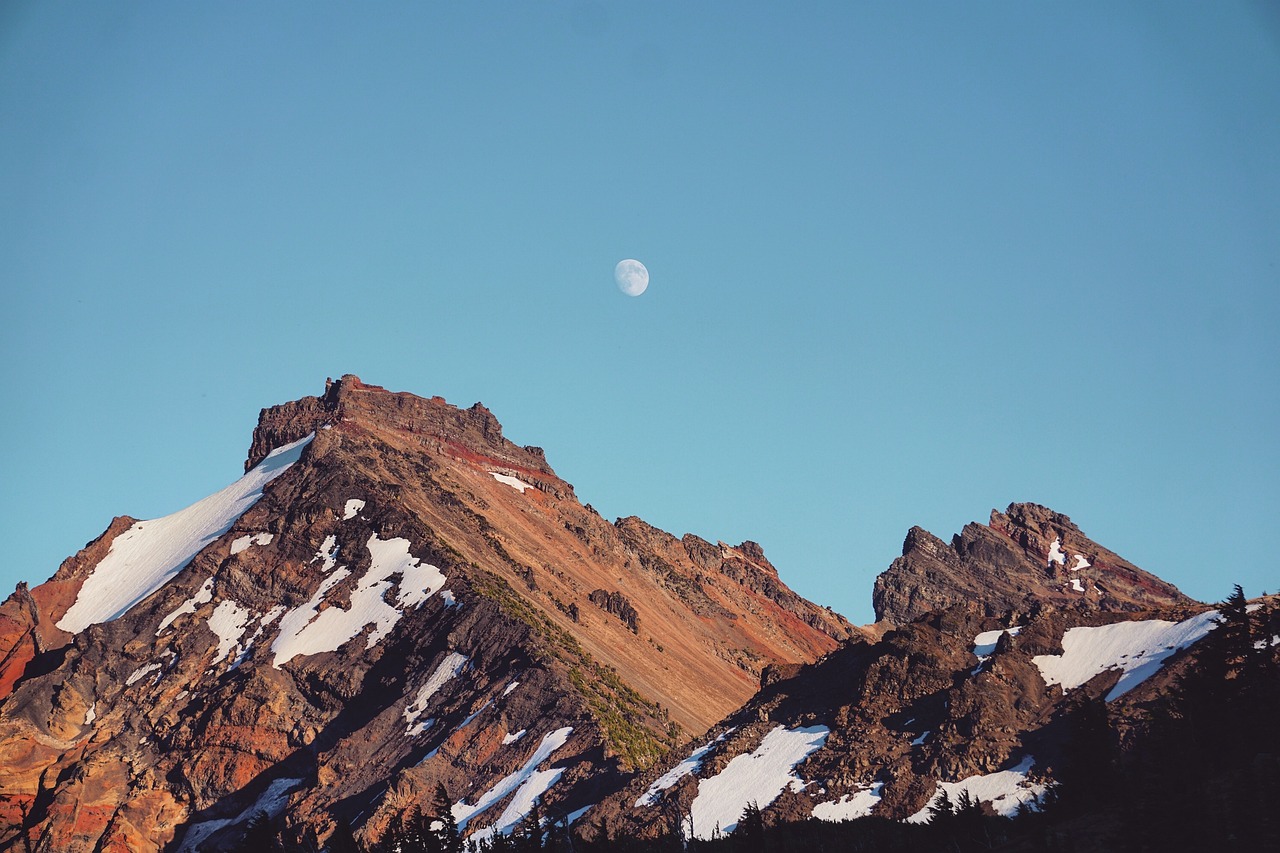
[[408, 602], [950, 698], [1026, 558]]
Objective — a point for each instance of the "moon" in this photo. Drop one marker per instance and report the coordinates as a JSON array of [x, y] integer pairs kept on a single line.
[[631, 276]]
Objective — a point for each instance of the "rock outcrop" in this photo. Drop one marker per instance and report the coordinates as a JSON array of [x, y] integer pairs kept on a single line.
[[1025, 558]]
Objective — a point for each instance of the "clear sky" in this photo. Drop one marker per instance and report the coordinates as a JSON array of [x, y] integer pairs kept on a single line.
[[909, 261]]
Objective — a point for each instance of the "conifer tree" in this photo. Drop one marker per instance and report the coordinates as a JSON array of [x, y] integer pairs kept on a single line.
[[751, 824], [442, 829]]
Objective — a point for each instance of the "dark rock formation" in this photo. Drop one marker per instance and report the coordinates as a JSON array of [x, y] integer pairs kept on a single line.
[[1013, 564]]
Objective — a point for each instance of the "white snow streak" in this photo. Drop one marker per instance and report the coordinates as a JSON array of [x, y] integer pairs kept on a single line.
[[512, 737], [1077, 585], [1005, 790], [759, 777], [91, 714], [532, 783], [271, 802], [448, 669], [203, 596], [1081, 563], [1138, 649], [140, 673], [228, 621], [352, 509], [147, 555], [1055, 553], [304, 631], [690, 765], [242, 543], [513, 482], [850, 806], [328, 553]]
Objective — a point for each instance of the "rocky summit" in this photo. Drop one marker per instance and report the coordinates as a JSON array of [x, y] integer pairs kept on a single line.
[[394, 596], [395, 600], [1026, 558]]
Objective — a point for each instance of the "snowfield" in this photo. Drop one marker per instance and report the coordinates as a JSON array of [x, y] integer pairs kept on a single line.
[[528, 782], [1005, 790], [1137, 649], [307, 630], [850, 807], [757, 777], [681, 770], [150, 553], [448, 669]]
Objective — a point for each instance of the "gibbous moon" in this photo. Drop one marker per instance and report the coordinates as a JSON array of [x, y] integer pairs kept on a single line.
[[631, 276]]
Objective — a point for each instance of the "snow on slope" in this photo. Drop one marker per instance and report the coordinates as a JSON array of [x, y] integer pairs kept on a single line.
[[449, 668], [1138, 649], [758, 777], [531, 782], [1005, 790], [306, 630], [147, 555], [513, 482], [850, 806], [681, 770]]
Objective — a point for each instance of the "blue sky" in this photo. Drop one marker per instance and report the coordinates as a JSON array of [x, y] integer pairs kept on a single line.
[[909, 262]]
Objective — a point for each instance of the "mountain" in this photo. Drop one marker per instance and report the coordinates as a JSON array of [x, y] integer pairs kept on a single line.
[[1025, 558], [995, 661], [393, 596]]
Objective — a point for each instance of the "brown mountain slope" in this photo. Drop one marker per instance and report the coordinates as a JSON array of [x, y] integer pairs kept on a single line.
[[414, 600]]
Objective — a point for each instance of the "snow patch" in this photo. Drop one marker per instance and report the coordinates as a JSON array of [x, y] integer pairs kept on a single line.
[[511, 738], [1005, 790], [91, 714], [573, 816], [531, 782], [922, 737], [270, 616], [242, 543], [228, 621], [203, 596], [150, 553], [446, 595], [328, 553], [352, 509], [984, 645], [850, 806], [1077, 585], [513, 482], [271, 802], [448, 669], [512, 686], [690, 765], [1081, 563], [1055, 553], [304, 631], [140, 673], [758, 777], [1137, 649]]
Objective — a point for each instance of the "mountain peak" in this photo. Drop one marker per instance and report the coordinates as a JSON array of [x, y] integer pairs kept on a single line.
[[1025, 557]]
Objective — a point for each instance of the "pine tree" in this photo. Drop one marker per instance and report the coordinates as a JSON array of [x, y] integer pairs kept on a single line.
[[751, 824], [529, 836], [442, 828], [941, 808]]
